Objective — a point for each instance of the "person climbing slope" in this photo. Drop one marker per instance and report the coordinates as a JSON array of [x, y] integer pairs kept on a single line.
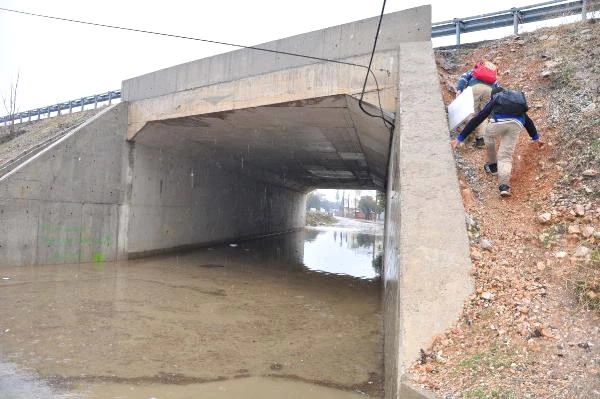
[[481, 79], [508, 110]]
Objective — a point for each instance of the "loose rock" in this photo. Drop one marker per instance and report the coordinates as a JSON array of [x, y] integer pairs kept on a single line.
[[545, 217], [587, 231], [541, 266], [486, 244], [581, 252], [476, 254], [488, 296]]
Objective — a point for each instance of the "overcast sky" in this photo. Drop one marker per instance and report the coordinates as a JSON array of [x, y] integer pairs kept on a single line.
[[59, 61]]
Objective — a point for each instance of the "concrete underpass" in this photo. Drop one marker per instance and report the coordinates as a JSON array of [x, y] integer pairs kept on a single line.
[[259, 163], [257, 131]]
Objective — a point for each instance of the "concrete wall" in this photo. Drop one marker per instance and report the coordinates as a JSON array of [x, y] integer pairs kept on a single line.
[[427, 251], [229, 81], [63, 205], [179, 201]]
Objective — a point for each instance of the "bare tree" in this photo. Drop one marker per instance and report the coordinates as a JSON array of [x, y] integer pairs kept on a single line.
[[10, 105]]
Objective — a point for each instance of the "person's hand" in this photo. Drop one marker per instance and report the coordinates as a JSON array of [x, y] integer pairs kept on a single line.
[[455, 143]]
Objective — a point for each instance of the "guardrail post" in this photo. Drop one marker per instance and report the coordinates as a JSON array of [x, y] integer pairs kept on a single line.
[[516, 19], [82, 103], [70, 107], [28, 116], [48, 116], [95, 101], [457, 24], [38, 113], [584, 10], [109, 97]]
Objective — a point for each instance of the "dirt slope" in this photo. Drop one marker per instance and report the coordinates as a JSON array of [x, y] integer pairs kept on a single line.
[[31, 134], [532, 328]]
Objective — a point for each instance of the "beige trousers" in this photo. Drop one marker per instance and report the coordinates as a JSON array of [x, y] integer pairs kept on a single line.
[[481, 96], [508, 133]]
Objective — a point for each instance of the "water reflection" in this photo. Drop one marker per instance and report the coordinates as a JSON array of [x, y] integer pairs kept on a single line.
[[342, 252], [329, 250]]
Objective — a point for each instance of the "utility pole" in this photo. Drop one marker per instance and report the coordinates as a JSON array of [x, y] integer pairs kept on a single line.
[[349, 204]]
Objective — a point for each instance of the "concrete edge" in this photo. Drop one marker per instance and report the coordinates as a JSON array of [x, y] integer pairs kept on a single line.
[[427, 242], [192, 247]]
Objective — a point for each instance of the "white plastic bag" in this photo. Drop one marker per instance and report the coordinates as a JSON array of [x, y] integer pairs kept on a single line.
[[461, 108]]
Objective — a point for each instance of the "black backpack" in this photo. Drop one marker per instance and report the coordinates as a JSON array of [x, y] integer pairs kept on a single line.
[[510, 102]]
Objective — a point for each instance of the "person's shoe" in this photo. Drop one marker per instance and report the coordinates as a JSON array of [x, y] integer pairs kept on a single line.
[[504, 190], [491, 168], [479, 142]]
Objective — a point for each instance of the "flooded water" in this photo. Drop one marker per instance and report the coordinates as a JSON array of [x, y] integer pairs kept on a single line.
[[295, 315], [343, 252]]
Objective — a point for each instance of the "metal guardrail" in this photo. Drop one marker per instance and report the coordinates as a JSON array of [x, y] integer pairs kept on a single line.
[[456, 26], [68, 105], [514, 17]]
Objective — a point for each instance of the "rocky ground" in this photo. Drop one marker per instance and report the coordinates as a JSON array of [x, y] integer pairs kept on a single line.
[[531, 329]]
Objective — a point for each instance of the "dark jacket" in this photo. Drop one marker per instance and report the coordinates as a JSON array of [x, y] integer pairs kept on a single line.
[[487, 110]]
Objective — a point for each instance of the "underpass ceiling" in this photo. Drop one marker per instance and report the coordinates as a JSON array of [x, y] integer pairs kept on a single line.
[[327, 142]]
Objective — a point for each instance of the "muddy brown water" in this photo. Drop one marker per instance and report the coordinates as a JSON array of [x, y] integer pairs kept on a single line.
[[295, 315]]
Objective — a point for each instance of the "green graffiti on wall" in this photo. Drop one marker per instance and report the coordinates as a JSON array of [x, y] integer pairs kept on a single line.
[[80, 240]]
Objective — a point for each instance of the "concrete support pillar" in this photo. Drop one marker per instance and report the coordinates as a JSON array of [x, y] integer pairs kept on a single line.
[[427, 260]]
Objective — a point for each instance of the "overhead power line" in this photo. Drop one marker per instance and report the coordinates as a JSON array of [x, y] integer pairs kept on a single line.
[[369, 71], [181, 37]]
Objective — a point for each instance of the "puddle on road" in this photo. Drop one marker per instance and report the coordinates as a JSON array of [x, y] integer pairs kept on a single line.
[[254, 319]]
